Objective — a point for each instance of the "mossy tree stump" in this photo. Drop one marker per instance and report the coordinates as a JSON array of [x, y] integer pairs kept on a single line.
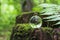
[[20, 32]]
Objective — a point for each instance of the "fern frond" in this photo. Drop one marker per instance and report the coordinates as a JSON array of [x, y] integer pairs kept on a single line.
[[57, 23], [55, 19], [53, 16]]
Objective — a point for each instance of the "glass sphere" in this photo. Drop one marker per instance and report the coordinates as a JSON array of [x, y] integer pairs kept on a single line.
[[35, 21]]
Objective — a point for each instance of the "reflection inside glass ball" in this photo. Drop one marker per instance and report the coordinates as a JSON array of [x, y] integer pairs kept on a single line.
[[35, 21]]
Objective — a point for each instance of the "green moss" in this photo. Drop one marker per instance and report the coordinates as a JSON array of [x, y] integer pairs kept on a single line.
[[59, 33], [46, 28], [23, 31], [25, 27]]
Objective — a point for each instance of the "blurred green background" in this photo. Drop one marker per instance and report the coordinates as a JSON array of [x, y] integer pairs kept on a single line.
[[9, 9]]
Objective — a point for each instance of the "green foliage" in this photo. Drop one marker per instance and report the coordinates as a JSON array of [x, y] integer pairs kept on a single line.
[[9, 11], [52, 12], [37, 9]]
